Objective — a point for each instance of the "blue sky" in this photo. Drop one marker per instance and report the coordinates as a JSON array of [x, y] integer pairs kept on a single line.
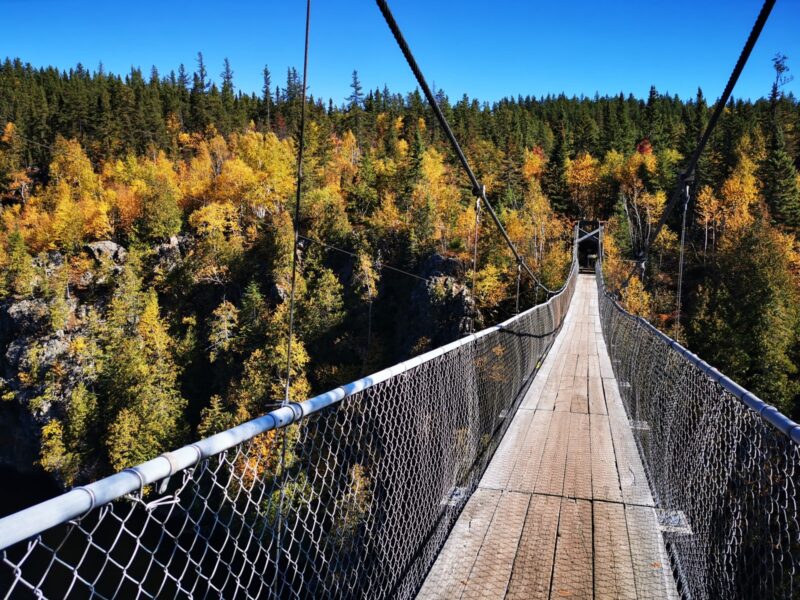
[[487, 49]]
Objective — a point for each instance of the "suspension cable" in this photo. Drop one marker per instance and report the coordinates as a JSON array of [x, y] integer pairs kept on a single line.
[[478, 190], [687, 175]]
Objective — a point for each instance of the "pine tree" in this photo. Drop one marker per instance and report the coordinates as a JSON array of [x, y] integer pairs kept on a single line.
[[20, 273], [139, 379], [554, 182], [780, 183], [356, 100], [356, 97], [267, 97], [202, 73]]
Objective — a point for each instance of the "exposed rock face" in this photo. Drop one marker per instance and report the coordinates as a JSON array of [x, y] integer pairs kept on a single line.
[[107, 250], [19, 437], [442, 308], [21, 318], [19, 432], [169, 255]]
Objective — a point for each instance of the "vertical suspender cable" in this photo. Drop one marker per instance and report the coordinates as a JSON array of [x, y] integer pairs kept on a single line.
[[296, 224], [519, 276], [301, 147], [688, 173], [475, 260], [680, 266], [369, 320]]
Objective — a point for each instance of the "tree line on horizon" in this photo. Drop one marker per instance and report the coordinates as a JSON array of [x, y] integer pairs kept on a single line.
[[186, 334]]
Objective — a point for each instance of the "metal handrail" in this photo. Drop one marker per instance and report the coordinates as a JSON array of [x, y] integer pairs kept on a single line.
[[766, 411], [80, 500]]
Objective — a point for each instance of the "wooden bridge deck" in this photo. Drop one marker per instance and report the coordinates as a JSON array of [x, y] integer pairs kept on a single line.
[[564, 509]]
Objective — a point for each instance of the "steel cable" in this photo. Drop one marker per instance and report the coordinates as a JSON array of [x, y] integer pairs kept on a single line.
[[477, 189]]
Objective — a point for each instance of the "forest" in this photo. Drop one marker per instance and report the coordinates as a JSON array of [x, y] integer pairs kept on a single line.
[[146, 242]]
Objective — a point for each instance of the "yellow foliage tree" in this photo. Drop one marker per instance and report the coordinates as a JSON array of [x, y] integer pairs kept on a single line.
[[583, 179], [636, 299], [533, 164]]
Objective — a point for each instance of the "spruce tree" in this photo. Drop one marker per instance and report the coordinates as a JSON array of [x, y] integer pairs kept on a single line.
[[554, 183], [780, 183], [267, 96]]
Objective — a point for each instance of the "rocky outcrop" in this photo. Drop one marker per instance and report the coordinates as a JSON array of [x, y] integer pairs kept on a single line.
[[169, 255], [442, 308], [107, 251], [21, 318]]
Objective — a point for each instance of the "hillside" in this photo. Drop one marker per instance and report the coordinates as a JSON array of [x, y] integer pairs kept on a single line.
[[146, 243]]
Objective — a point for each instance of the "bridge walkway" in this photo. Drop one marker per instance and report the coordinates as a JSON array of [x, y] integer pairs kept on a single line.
[[564, 509]]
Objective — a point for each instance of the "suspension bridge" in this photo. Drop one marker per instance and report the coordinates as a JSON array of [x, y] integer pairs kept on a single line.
[[572, 450]]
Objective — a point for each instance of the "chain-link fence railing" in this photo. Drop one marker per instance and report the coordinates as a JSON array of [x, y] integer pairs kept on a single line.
[[349, 494], [723, 465]]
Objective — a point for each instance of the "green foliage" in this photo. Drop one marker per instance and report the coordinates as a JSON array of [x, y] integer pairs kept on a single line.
[[747, 317], [20, 274], [352, 508], [138, 378], [322, 308], [224, 325], [781, 184], [196, 331]]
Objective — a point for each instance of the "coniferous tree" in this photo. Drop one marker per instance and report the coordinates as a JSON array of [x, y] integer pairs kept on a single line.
[[266, 97], [781, 186]]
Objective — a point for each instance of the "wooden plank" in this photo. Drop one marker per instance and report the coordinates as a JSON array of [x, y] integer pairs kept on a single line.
[[591, 343], [578, 468], [448, 576], [632, 479], [582, 364], [499, 469], [563, 401], [597, 400], [594, 365], [526, 469], [580, 395], [550, 479], [613, 398], [572, 572], [651, 566], [533, 566], [547, 401], [534, 393], [556, 524], [574, 339], [492, 569], [602, 354], [551, 363], [570, 362], [613, 568], [605, 482]]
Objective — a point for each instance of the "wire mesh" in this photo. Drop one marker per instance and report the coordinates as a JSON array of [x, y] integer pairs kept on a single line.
[[726, 481], [367, 493]]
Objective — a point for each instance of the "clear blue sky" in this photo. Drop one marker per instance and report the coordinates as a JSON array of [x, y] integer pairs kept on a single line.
[[488, 49]]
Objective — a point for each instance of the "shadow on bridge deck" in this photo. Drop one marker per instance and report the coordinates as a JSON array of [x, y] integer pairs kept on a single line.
[[564, 508]]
